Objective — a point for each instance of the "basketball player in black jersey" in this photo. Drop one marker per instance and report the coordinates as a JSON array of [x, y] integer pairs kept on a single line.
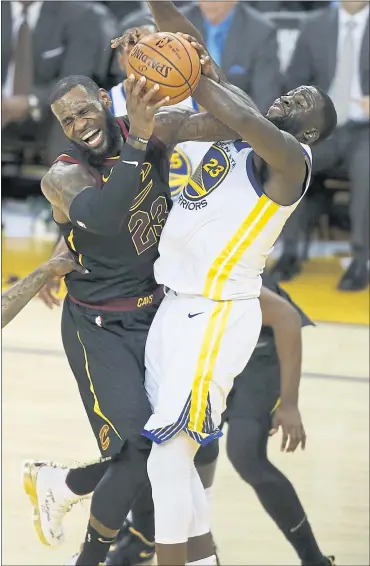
[[110, 197]]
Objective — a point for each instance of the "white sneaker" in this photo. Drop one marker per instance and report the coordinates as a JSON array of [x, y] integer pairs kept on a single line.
[[51, 498]]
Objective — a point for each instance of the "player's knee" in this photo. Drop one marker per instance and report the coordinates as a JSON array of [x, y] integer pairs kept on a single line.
[[242, 451], [170, 467]]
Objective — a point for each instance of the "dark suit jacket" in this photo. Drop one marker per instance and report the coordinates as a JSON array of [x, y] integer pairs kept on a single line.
[[250, 56], [66, 41], [314, 57]]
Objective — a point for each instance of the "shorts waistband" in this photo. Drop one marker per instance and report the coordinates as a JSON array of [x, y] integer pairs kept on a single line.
[[125, 303]]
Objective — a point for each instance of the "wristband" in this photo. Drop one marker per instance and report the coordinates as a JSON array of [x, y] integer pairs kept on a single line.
[[137, 139]]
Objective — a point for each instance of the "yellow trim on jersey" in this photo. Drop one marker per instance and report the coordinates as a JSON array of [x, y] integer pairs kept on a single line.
[[70, 240], [248, 231], [277, 404], [97, 409], [206, 364], [197, 188]]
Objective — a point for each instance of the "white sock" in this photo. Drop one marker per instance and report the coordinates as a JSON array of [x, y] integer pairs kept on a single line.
[[210, 561]]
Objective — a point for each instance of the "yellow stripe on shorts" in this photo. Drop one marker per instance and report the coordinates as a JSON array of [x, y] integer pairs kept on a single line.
[[206, 364], [251, 227], [97, 409]]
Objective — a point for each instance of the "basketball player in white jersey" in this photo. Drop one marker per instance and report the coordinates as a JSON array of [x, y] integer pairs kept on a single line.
[[212, 252]]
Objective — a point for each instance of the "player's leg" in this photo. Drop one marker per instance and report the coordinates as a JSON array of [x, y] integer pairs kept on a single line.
[[187, 389], [247, 450], [135, 543]]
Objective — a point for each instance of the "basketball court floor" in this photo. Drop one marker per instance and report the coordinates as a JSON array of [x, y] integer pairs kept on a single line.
[[43, 417]]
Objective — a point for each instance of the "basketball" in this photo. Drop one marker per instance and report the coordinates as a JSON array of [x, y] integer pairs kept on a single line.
[[168, 60]]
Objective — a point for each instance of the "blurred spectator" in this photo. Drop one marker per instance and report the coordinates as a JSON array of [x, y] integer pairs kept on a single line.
[[287, 5], [243, 43], [42, 42], [122, 9], [333, 53]]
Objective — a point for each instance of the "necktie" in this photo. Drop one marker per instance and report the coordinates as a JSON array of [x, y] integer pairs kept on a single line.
[[23, 58], [214, 45], [341, 87]]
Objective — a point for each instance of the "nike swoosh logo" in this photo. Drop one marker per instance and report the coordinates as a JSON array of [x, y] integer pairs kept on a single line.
[[105, 179], [136, 163], [193, 315], [104, 541], [144, 554]]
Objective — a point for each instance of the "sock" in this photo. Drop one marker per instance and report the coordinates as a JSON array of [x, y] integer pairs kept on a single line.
[[84, 479], [95, 548], [282, 504], [210, 561], [143, 515]]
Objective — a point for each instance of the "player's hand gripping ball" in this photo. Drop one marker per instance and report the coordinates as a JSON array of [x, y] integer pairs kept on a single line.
[[165, 59]]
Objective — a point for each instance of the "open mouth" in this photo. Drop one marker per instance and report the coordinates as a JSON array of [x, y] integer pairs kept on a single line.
[[278, 106], [93, 138]]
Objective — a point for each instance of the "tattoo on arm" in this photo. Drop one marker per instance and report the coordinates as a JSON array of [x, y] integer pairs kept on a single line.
[[20, 294], [179, 125], [63, 183]]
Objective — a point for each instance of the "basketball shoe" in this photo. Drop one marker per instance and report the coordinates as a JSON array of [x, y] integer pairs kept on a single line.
[[130, 548], [51, 499]]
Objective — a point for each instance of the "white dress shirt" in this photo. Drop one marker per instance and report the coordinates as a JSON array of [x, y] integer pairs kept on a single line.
[[17, 18], [360, 20]]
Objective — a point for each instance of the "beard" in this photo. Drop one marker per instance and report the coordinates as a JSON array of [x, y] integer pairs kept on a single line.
[[288, 124], [112, 145]]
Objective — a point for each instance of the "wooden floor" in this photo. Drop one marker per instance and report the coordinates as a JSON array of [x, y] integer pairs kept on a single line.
[[43, 418]]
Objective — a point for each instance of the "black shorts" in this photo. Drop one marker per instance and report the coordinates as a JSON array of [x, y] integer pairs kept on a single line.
[[106, 351], [255, 393]]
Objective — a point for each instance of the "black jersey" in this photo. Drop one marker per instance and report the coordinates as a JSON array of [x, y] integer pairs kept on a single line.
[[121, 266], [265, 351]]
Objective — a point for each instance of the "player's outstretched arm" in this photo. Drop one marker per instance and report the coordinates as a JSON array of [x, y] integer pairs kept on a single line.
[[73, 192], [286, 325], [13, 300], [281, 151], [176, 125]]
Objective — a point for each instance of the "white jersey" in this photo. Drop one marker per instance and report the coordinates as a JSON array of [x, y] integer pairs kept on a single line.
[[186, 155], [222, 228]]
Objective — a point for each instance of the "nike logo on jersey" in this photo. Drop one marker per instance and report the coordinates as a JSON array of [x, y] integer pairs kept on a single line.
[[104, 541], [190, 315], [135, 163], [105, 179], [144, 554]]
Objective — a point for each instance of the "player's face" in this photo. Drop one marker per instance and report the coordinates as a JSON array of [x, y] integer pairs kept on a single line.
[[298, 113], [86, 120]]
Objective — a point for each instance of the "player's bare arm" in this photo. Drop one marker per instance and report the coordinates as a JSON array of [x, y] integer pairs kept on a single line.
[[73, 192], [175, 125], [285, 322], [48, 292], [20, 294]]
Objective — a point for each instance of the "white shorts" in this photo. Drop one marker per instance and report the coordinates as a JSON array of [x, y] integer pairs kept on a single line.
[[195, 349]]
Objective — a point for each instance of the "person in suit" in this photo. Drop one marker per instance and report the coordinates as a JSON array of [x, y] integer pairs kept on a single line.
[[243, 43], [42, 42], [332, 52]]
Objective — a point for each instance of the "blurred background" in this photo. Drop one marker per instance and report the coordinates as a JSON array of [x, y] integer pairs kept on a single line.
[[264, 47]]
